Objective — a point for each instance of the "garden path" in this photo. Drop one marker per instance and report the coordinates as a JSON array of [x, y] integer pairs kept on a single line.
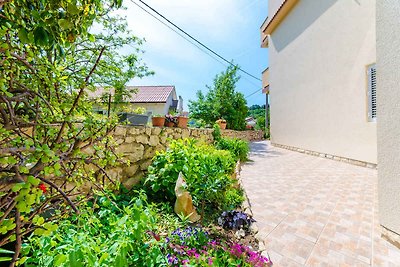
[[313, 211]]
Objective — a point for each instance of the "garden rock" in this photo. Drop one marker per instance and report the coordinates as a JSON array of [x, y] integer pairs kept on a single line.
[[184, 204]]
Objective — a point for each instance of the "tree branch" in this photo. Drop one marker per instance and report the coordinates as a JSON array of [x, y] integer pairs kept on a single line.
[[18, 238], [61, 192], [82, 89]]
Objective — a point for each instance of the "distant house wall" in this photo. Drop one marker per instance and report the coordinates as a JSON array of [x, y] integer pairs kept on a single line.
[[168, 104], [155, 108], [158, 108], [318, 83], [388, 80]]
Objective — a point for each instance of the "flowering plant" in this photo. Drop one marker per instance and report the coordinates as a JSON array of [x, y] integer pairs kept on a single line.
[[171, 118], [235, 220], [194, 247]]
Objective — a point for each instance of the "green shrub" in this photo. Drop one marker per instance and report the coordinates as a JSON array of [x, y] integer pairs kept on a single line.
[[237, 147], [217, 132], [104, 234], [207, 171]]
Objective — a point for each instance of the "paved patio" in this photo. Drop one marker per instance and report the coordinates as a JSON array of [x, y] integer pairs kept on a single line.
[[314, 211]]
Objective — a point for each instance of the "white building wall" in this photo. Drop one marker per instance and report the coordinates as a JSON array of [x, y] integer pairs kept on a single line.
[[388, 82], [318, 82]]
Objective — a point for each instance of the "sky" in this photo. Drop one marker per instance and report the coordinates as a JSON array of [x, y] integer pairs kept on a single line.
[[229, 27]]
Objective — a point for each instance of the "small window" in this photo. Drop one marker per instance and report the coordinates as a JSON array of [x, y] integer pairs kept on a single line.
[[371, 92]]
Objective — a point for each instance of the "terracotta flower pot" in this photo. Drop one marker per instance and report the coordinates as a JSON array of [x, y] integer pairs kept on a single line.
[[158, 121], [222, 125], [169, 124], [182, 122]]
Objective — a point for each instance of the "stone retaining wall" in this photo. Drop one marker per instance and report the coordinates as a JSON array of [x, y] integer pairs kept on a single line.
[[138, 144], [244, 135]]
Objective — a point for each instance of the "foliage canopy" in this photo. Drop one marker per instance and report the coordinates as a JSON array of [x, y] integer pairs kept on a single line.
[[221, 101], [51, 142]]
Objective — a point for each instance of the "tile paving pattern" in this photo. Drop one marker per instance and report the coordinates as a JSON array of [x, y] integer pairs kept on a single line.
[[313, 211]]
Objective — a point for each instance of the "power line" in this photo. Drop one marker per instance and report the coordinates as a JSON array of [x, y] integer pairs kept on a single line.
[[181, 35], [194, 39], [255, 92]]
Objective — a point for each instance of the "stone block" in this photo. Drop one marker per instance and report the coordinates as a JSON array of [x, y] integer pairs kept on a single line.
[[136, 153], [148, 130], [130, 182], [115, 174], [149, 153], [142, 139], [185, 133], [124, 148], [130, 171], [132, 131], [119, 140], [154, 140], [156, 131], [145, 164], [163, 139], [120, 131], [130, 139]]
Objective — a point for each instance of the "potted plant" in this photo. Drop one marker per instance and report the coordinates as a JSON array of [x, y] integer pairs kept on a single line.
[[135, 116], [221, 123], [170, 120], [158, 120], [182, 121]]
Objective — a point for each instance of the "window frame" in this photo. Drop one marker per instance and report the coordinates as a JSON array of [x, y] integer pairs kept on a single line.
[[371, 92]]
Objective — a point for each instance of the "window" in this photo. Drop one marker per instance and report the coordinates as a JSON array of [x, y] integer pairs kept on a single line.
[[371, 71]]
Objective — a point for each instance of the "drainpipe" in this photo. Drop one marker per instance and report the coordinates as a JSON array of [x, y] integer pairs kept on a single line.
[[266, 111]]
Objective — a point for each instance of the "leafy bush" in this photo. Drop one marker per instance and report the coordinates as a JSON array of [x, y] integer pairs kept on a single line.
[[221, 101], [111, 231], [237, 147], [217, 132], [234, 197], [206, 169]]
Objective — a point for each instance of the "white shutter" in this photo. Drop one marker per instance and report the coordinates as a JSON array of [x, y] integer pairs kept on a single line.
[[372, 93]]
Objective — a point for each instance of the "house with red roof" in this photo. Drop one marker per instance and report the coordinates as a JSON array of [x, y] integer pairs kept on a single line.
[[155, 99]]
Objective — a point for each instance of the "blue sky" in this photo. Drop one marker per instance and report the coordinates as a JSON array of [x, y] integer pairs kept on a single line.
[[229, 27]]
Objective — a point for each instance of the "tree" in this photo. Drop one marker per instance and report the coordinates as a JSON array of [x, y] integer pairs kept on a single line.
[[50, 140], [221, 101]]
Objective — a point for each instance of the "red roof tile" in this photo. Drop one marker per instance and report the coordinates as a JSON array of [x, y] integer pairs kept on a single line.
[[145, 94]]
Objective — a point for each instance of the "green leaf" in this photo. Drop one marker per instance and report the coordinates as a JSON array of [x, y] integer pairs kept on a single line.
[[33, 181], [91, 38], [65, 24], [21, 261], [5, 251], [72, 9], [59, 259], [2, 259], [17, 187], [41, 36], [23, 36]]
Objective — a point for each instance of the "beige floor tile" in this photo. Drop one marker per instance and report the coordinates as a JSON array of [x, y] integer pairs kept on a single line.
[[315, 211]]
